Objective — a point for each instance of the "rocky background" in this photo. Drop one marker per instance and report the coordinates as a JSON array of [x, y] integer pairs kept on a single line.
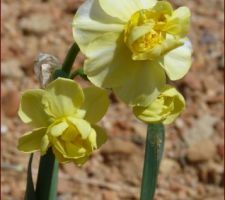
[[192, 167]]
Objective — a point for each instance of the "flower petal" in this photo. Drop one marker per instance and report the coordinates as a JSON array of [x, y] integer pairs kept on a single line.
[[165, 109], [59, 145], [80, 161], [68, 150], [143, 86], [149, 114], [98, 137], [59, 156], [91, 21], [178, 61], [96, 103], [58, 128], [179, 104], [148, 3], [82, 126], [154, 53], [31, 141], [93, 139], [44, 144], [74, 151], [63, 98], [178, 23], [122, 9], [32, 110], [70, 134], [109, 61], [139, 31]]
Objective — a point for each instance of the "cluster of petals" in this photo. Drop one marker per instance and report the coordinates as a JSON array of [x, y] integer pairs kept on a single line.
[[64, 118], [132, 45], [164, 109]]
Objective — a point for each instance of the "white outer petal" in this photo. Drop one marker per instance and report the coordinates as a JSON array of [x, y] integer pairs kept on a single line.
[[91, 22], [177, 62], [143, 86], [109, 61], [124, 9], [148, 3]]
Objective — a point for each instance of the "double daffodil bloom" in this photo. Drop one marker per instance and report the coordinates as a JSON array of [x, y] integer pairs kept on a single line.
[[132, 44], [63, 117], [165, 109]]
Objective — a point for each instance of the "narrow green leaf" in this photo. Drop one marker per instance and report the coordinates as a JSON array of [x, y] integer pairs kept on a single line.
[[46, 188], [153, 155], [30, 192]]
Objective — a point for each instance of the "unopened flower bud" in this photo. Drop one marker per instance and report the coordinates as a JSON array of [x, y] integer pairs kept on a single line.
[[44, 67]]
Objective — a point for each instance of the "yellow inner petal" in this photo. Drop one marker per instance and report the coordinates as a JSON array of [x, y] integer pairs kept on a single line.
[[148, 30]]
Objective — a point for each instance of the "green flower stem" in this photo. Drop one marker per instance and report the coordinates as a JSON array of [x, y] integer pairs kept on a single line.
[[79, 72], [70, 58], [47, 177], [67, 65], [153, 155], [46, 188]]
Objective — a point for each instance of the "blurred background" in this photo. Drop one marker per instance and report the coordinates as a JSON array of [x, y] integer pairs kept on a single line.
[[192, 167]]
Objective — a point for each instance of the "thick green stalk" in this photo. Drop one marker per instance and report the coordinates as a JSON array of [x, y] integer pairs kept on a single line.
[[79, 72], [46, 188], [68, 63], [47, 177], [70, 58], [153, 155]]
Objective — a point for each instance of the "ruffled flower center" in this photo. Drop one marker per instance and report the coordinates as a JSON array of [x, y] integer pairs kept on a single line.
[[146, 32], [68, 139]]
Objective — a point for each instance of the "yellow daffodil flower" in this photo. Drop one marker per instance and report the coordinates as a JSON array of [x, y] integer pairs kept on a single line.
[[164, 109], [63, 117], [131, 44]]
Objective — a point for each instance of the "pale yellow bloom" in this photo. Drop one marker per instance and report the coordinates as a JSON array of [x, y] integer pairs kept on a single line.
[[165, 109], [131, 44], [63, 116]]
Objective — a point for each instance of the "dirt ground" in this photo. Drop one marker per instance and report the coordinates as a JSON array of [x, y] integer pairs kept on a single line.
[[192, 166]]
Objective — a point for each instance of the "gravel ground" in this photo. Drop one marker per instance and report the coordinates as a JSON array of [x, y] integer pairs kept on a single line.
[[192, 167]]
